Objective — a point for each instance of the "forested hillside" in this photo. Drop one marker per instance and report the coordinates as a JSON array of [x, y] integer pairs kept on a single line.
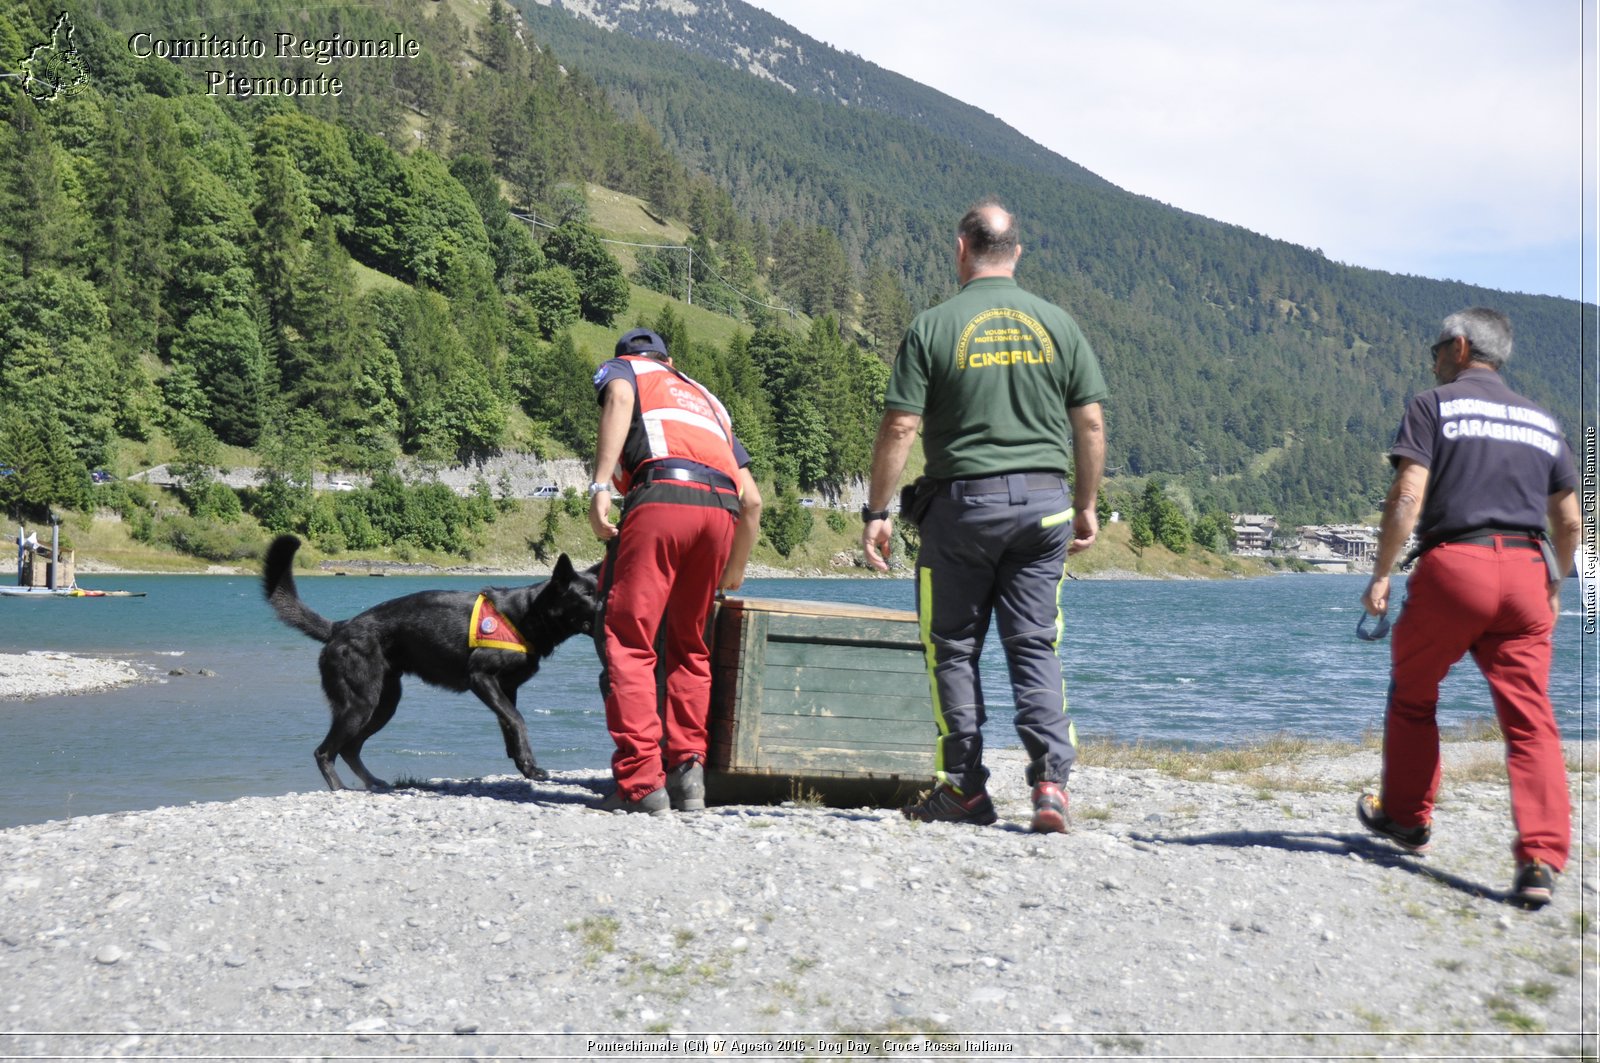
[[333, 281], [1266, 376], [210, 257]]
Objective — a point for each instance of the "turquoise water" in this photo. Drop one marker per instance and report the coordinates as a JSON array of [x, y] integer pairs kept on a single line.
[[1204, 662]]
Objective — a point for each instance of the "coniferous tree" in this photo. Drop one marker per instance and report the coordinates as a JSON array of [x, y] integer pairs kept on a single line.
[[885, 312], [55, 358], [43, 473], [555, 384], [40, 224], [283, 215], [134, 221], [603, 291], [321, 365]]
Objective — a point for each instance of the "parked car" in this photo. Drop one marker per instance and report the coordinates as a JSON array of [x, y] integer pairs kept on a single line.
[[808, 502], [341, 485], [547, 491]]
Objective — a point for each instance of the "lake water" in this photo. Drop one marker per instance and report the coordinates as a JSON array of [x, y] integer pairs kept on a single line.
[[1203, 662]]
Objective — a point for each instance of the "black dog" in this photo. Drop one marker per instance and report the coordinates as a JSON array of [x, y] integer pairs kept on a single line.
[[427, 635]]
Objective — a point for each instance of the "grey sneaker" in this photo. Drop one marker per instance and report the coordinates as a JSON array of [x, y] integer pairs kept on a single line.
[[654, 803], [686, 786]]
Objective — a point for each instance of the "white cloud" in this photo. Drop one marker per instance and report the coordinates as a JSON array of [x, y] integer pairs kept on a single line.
[[1420, 137]]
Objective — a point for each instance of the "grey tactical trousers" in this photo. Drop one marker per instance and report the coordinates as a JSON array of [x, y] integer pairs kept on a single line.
[[996, 546]]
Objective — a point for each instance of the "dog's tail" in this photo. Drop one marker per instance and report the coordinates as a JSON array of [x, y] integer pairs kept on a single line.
[[277, 583]]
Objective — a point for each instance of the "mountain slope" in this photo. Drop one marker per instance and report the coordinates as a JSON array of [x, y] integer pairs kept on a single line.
[[1220, 345], [750, 40]]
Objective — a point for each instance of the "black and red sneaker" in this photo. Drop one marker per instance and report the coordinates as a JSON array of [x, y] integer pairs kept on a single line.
[[1533, 885], [946, 805], [1369, 810], [1049, 808]]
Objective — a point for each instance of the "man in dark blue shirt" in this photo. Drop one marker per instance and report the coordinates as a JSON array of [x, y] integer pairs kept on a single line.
[[1486, 469]]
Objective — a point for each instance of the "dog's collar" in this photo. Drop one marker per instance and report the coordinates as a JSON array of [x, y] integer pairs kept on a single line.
[[491, 630]]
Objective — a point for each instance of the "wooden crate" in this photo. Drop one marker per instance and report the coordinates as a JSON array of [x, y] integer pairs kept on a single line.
[[817, 699]]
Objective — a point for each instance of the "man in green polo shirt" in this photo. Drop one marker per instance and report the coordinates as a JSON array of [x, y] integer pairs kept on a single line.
[[997, 379]]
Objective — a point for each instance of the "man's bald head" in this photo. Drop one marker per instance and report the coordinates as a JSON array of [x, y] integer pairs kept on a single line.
[[986, 241]]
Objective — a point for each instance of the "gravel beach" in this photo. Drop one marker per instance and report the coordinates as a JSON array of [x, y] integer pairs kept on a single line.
[[1224, 917], [46, 673]]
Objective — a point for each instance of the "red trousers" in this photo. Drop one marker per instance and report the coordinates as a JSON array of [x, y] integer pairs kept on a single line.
[[664, 570], [1494, 601]]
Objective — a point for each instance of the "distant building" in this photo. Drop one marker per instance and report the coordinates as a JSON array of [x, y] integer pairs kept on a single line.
[[1356, 544], [1253, 532]]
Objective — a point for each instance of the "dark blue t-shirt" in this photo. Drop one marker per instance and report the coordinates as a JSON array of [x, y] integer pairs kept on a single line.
[[1493, 458]]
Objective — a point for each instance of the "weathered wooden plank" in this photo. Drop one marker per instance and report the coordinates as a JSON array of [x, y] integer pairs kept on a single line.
[[818, 760], [846, 731], [725, 649], [898, 636], [896, 663], [748, 704], [847, 683], [890, 790], [885, 712], [778, 606]]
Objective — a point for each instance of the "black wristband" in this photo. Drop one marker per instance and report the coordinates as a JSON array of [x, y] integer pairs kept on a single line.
[[868, 514]]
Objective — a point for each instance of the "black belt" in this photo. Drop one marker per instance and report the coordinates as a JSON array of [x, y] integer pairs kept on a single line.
[[1000, 485], [708, 477], [1511, 540]]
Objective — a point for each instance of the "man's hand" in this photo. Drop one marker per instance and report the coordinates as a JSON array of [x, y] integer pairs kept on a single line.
[[1085, 528], [1376, 598], [600, 516], [875, 539]]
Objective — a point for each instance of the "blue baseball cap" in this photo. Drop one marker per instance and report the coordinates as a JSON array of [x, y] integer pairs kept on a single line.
[[641, 341]]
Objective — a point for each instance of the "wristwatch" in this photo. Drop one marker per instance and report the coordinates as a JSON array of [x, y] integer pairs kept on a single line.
[[868, 514], [597, 487]]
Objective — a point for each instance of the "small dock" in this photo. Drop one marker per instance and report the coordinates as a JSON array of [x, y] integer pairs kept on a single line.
[[49, 571]]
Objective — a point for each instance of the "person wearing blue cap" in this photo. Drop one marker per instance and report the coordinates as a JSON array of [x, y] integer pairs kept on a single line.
[[690, 516]]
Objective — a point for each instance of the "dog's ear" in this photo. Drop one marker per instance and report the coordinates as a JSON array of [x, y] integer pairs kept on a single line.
[[563, 572]]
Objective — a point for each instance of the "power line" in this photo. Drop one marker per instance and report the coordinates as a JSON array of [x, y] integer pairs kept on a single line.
[[534, 221]]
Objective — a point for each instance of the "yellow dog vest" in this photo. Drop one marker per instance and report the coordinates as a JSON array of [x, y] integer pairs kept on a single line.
[[490, 630]]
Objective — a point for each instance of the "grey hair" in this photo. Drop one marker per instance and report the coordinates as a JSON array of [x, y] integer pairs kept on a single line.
[[1487, 332]]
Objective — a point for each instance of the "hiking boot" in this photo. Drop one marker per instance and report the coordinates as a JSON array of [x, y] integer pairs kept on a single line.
[[1049, 808], [686, 786], [945, 805], [1412, 839], [654, 803], [1534, 884]]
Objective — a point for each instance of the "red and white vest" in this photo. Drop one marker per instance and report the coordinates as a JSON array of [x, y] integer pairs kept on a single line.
[[679, 419]]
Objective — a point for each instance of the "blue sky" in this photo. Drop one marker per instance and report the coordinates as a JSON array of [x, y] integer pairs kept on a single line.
[[1443, 138]]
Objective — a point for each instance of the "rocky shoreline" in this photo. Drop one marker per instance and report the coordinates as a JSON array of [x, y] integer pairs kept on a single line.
[[1222, 915], [47, 673]]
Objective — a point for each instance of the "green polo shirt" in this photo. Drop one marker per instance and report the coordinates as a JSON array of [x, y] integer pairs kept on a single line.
[[992, 371]]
